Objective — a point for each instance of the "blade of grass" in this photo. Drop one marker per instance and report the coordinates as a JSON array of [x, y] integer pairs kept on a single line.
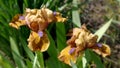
[[52, 51], [97, 60], [63, 7], [25, 3], [5, 16], [75, 15], [73, 65], [84, 61], [40, 59], [16, 53], [5, 47], [52, 3], [91, 56], [29, 63], [61, 36], [53, 63], [100, 32], [79, 62], [35, 61], [27, 50], [3, 5], [5, 63]]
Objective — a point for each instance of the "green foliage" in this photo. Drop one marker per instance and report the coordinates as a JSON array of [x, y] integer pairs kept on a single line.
[[14, 42], [103, 29], [75, 14]]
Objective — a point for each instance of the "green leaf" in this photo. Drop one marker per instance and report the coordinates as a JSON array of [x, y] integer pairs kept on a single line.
[[97, 60], [25, 3], [52, 3], [61, 39], [16, 53], [3, 4], [100, 32], [52, 51], [35, 61], [29, 63], [75, 15], [88, 55], [73, 65], [5, 63], [79, 62], [52, 63], [91, 56], [5, 16], [61, 36], [40, 59], [84, 61], [27, 50]]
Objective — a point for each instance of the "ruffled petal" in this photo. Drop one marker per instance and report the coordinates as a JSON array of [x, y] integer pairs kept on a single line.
[[104, 50], [59, 17], [47, 14], [67, 55], [37, 43], [17, 21]]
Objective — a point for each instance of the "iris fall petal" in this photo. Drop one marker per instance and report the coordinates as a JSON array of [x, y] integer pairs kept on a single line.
[[37, 43], [104, 50], [66, 56]]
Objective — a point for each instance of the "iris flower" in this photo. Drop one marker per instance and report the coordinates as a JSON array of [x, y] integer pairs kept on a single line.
[[37, 20], [81, 40]]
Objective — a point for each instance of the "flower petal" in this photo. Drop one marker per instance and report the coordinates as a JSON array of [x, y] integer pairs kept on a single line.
[[47, 14], [37, 43], [17, 21], [66, 56], [104, 50], [59, 17]]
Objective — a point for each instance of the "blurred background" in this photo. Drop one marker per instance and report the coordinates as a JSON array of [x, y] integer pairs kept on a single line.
[[14, 52]]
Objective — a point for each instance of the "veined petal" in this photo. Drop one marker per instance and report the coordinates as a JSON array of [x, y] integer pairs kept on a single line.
[[17, 21], [37, 43], [104, 50]]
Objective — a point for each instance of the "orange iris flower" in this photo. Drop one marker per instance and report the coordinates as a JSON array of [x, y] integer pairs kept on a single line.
[[82, 39], [37, 20]]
